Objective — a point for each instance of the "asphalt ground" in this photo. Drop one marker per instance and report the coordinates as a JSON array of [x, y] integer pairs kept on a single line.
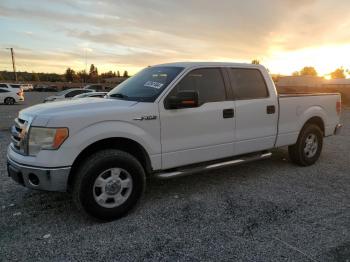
[[269, 210]]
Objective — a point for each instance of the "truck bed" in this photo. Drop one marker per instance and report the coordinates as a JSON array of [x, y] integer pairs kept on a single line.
[[296, 108]]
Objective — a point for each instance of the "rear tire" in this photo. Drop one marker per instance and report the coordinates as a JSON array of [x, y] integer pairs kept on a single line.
[[9, 101], [109, 184], [308, 147]]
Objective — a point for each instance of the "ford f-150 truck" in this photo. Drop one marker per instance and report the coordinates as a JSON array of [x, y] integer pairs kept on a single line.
[[166, 121]]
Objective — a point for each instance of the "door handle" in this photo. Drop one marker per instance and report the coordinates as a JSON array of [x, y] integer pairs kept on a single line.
[[271, 109], [228, 113]]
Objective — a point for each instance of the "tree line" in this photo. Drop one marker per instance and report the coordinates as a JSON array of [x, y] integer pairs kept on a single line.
[[92, 76], [311, 71], [30, 76], [70, 75]]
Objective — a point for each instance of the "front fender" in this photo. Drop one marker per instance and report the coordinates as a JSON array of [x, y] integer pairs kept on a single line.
[[108, 129], [82, 138]]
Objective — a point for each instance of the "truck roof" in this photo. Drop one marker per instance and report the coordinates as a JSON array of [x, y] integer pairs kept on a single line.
[[211, 64]]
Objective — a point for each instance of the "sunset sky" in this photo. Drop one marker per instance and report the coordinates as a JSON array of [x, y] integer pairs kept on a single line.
[[285, 35]]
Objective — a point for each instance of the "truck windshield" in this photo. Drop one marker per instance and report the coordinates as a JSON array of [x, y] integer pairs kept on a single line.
[[146, 85]]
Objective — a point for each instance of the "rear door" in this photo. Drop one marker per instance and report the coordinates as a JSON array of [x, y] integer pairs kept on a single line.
[[256, 111], [206, 132], [3, 94]]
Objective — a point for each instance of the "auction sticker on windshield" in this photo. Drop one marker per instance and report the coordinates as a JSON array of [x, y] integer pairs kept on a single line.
[[155, 85]]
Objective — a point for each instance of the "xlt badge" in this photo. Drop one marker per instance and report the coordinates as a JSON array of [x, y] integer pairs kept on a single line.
[[150, 117]]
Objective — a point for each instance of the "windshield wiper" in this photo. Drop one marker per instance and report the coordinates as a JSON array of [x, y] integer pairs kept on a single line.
[[118, 95]]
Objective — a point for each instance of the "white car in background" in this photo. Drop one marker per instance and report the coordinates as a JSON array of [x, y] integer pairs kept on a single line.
[[95, 87], [67, 94], [91, 94], [13, 87], [10, 96]]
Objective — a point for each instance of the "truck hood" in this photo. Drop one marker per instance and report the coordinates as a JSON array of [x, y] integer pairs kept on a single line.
[[84, 105]]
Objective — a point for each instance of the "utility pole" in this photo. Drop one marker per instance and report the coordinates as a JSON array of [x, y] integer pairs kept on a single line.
[[13, 63], [85, 65]]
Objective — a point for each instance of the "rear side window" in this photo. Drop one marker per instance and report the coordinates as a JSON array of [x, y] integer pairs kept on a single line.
[[248, 83], [208, 82], [3, 85]]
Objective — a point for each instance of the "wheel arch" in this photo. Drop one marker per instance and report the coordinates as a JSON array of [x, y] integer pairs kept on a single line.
[[125, 144], [316, 120]]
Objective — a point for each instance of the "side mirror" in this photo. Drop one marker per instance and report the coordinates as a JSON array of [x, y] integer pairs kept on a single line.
[[183, 99]]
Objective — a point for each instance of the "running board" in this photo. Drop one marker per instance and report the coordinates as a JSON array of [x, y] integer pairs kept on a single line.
[[197, 169]]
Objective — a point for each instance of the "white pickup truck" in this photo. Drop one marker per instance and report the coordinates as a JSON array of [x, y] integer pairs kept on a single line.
[[166, 121]]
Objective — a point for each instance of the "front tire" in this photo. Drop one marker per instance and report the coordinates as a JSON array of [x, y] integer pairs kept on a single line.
[[308, 148], [109, 184]]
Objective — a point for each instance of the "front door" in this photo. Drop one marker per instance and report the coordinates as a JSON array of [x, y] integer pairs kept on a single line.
[[206, 132]]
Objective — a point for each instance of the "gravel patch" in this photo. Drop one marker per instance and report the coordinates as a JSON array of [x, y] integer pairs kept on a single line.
[[269, 210]]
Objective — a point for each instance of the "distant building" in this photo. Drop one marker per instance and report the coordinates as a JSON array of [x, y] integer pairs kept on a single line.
[[338, 82], [300, 81], [311, 82], [114, 80], [314, 84]]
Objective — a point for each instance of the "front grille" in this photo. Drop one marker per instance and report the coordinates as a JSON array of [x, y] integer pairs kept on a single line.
[[18, 135]]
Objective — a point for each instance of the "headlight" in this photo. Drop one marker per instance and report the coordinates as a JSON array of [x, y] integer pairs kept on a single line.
[[45, 138]]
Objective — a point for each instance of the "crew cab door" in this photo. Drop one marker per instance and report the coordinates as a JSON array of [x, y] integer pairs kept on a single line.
[[201, 133], [256, 110]]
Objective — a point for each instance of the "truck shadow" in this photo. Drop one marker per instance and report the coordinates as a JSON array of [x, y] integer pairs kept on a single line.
[[60, 207]]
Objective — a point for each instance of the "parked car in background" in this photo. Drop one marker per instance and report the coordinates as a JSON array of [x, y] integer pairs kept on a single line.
[[45, 88], [96, 87], [27, 87], [91, 94], [10, 96], [109, 88], [67, 94], [15, 87]]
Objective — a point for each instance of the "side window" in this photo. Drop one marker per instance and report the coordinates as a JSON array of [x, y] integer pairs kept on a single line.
[[3, 86], [208, 82], [73, 93], [248, 83]]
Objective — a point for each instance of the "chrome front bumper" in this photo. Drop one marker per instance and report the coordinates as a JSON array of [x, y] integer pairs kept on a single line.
[[338, 128], [49, 179]]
